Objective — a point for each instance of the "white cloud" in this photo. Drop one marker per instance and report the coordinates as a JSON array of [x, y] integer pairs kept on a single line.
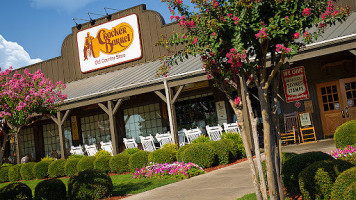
[[66, 5], [12, 54]]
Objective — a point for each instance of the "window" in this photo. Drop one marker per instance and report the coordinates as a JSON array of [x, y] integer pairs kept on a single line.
[[27, 142], [51, 138], [67, 134], [95, 128], [142, 121]]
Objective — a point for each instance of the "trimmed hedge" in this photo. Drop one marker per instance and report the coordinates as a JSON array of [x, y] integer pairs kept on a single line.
[[56, 168], [316, 180], [350, 159], [180, 152], [138, 160], [201, 139], [86, 163], [40, 170], [51, 189], [14, 173], [4, 174], [70, 167], [237, 140], [295, 165], [232, 148], [223, 154], [344, 186], [171, 147], [202, 154], [102, 163], [162, 156], [90, 184], [16, 191], [131, 151], [26, 171], [345, 134], [120, 163], [102, 153]]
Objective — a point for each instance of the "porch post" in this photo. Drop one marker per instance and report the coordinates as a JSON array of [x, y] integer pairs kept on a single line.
[[169, 110], [59, 121]]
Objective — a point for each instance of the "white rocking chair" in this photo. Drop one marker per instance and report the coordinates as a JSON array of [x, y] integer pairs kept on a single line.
[[181, 137], [165, 138], [130, 143], [148, 143], [107, 146], [214, 132], [192, 134], [233, 127], [76, 150], [91, 149]]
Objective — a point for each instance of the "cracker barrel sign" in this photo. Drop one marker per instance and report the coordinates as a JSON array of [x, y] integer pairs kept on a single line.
[[108, 44], [295, 84]]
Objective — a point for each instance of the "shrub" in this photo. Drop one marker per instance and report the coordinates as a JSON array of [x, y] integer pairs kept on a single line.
[[163, 156], [345, 134], [180, 152], [70, 167], [237, 139], [16, 191], [201, 154], [120, 163], [51, 189], [345, 185], [86, 163], [175, 170], [102, 153], [102, 163], [14, 173], [89, 184], [201, 139], [295, 165], [4, 174], [222, 152], [26, 171], [232, 149], [6, 165], [75, 156], [171, 147], [138, 160], [56, 168], [316, 180], [351, 159], [40, 170], [48, 159], [131, 151]]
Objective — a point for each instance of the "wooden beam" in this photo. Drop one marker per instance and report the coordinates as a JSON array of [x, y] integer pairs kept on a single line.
[[161, 96], [65, 116], [169, 110], [177, 94], [353, 52], [102, 106], [118, 103], [113, 129], [61, 134]]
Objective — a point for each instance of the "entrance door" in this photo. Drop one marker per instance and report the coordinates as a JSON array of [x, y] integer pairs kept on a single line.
[[337, 103]]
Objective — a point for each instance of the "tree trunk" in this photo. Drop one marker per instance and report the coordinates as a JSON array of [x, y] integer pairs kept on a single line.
[[3, 147], [255, 139], [267, 133], [243, 120]]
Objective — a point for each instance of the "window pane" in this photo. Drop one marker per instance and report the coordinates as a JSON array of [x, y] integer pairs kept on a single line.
[[326, 107], [328, 90], [334, 89]]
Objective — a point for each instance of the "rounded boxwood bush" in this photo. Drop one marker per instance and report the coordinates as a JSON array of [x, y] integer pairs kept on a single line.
[[4, 174], [14, 173], [344, 185], [70, 167], [56, 168], [40, 170], [138, 160], [16, 191], [233, 149], [201, 154], [180, 152], [51, 189], [90, 184], [86, 163], [162, 156], [222, 153], [201, 139], [120, 163], [345, 134], [131, 151], [102, 153], [237, 140], [102, 163], [295, 165], [316, 180], [26, 171]]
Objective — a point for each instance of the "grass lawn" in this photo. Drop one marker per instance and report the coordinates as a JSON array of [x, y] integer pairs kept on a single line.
[[251, 196], [123, 184]]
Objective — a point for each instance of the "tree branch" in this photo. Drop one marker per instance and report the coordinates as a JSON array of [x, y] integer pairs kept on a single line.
[[275, 71]]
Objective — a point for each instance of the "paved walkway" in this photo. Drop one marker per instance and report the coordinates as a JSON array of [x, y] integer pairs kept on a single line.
[[228, 183]]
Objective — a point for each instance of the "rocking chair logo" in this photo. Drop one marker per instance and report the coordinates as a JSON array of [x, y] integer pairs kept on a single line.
[[112, 43]]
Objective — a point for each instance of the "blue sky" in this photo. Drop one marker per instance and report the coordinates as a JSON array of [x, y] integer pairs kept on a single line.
[[33, 30]]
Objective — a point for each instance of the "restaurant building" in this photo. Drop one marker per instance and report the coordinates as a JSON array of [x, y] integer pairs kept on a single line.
[[110, 65]]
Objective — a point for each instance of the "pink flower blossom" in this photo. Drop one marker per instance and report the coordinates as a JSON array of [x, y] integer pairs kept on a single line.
[[195, 40], [306, 12], [296, 35], [237, 101], [261, 34]]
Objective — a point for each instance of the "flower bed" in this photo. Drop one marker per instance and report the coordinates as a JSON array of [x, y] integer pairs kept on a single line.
[[178, 170], [347, 151]]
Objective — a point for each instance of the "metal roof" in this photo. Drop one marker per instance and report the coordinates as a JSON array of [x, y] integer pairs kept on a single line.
[[144, 74]]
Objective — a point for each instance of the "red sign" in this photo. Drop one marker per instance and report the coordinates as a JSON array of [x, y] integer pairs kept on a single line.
[[295, 84]]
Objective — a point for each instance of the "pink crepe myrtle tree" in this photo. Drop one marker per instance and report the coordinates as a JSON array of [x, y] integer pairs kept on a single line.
[[246, 43], [24, 98]]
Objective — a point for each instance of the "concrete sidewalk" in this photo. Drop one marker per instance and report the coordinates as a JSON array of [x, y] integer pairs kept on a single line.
[[228, 183]]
